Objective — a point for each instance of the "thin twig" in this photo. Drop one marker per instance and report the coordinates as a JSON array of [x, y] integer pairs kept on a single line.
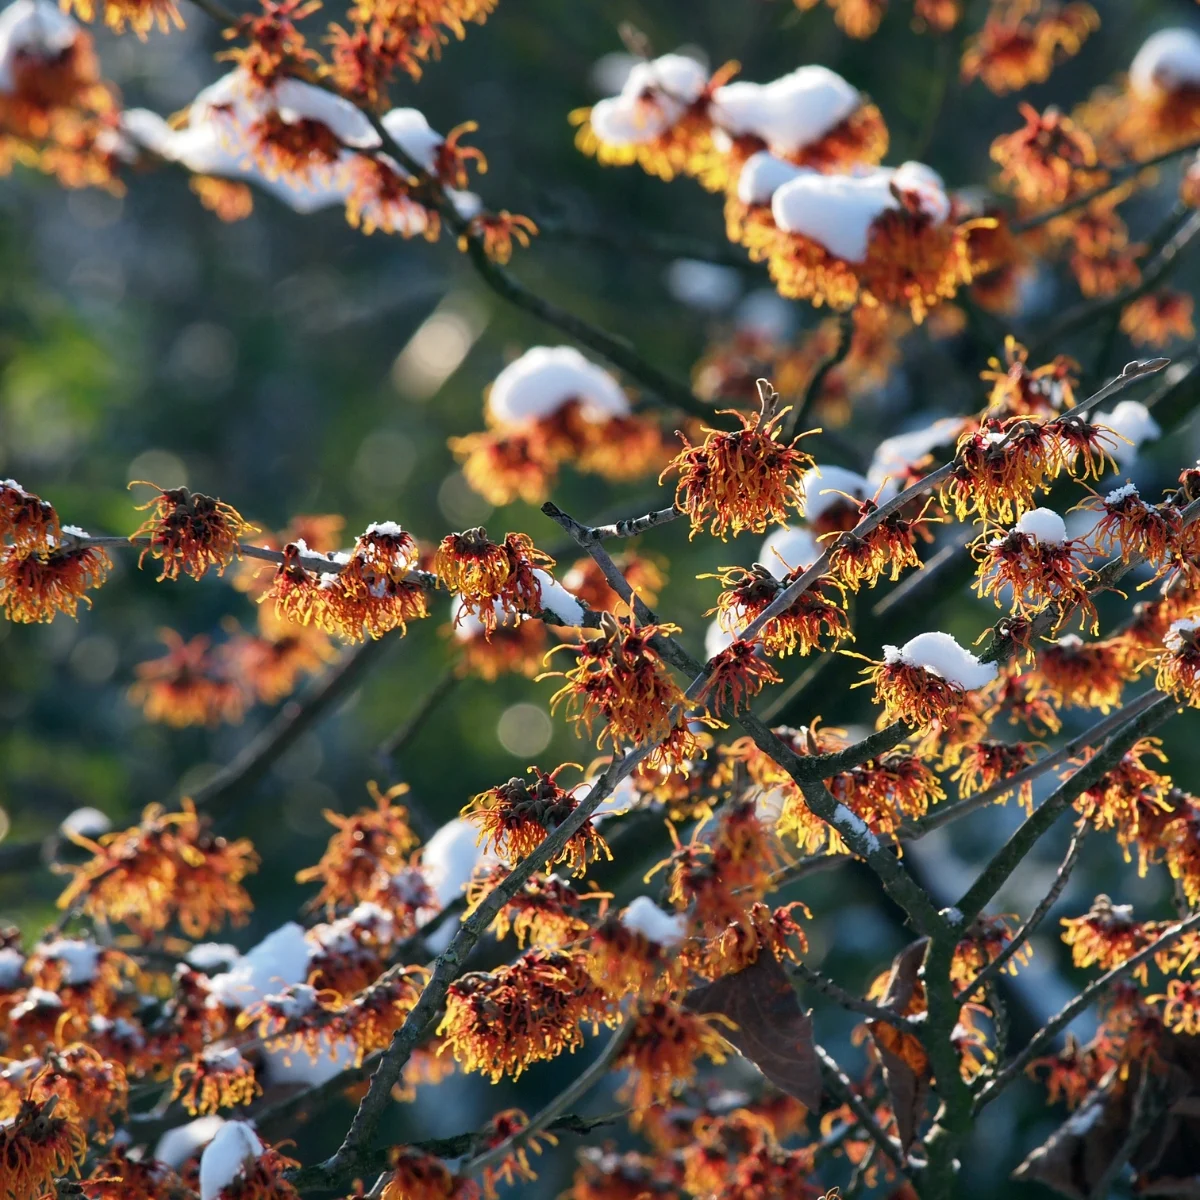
[[416, 720], [1044, 1036], [566, 1099], [846, 999], [992, 971], [798, 416], [838, 1083]]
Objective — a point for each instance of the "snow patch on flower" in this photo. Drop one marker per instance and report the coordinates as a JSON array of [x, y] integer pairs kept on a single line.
[[451, 857], [1168, 61], [763, 175], [292, 1066], [788, 113], [545, 378], [837, 211], [1117, 495], [645, 917], [1130, 419], [1044, 525], [233, 1148], [409, 129], [558, 601], [717, 639], [654, 96], [79, 959], [939, 654], [895, 455], [280, 959], [1175, 637], [36, 28], [823, 489], [177, 1145]]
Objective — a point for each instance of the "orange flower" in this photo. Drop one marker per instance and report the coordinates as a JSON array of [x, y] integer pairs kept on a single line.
[[890, 545], [188, 531], [816, 619], [169, 865], [367, 849], [36, 585], [1048, 160], [740, 942], [516, 646], [735, 675], [624, 961], [380, 195], [274, 47], [999, 467], [418, 1176], [1181, 1007], [1134, 800], [271, 667], [490, 576], [982, 944], [188, 686], [545, 912], [1035, 564], [620, 679], [607, 1175], [882, 792], [1020, 42], [1071, 1073], [140, 15], [1179, 664], [229, 200], [985, 764], [1022, 698], [516, 817], [36, 1145], [1157, 318], [1106, 935], [856, 18], [91, 1091], [528, 1011], [663, 1052], [1132, 527], [26, 520], [515, 1164], [214, 1079], [1019, 391], [740, 480], [645, 574], [498, 231], [940, 16], [1082, 674]]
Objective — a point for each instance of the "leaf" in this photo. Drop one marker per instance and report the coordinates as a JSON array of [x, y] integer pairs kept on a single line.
[[772, 1030], [906, 1069]]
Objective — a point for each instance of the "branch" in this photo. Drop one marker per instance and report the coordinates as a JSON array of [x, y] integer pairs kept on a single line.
[[839, 1084], [1116, 177], [426, 707], [1013, 852], [840, 996], [797, 417], [567, 1098], [991, 972], [1044, 1036]]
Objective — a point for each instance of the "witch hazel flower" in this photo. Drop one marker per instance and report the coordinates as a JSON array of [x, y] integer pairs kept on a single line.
[[927, 679], [1035, 564], [1179, 665]]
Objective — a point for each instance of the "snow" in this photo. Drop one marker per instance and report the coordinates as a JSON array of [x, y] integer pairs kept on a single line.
[[766, 314], [788, 113], [207, 956], [450, 858], [234, 1146], [35, 997], [708, 287], [75, 531], [822, 485], [1132, 420], [388, 529], [645, 917], [1174, 639], [79, 959], [1117, 495], [281, 958], [1168, 61], [177, 1145], [853, 827], [12, 961], [468, 626], [768, 807], [85, 822], [763, 175], [622, 799], [896, 454], [787, 548], [32, 26], [837, 211], [1044, 525], [558, 601], [409, 129], [939, 654], [654, 96], [545, 378], [297, 101]]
